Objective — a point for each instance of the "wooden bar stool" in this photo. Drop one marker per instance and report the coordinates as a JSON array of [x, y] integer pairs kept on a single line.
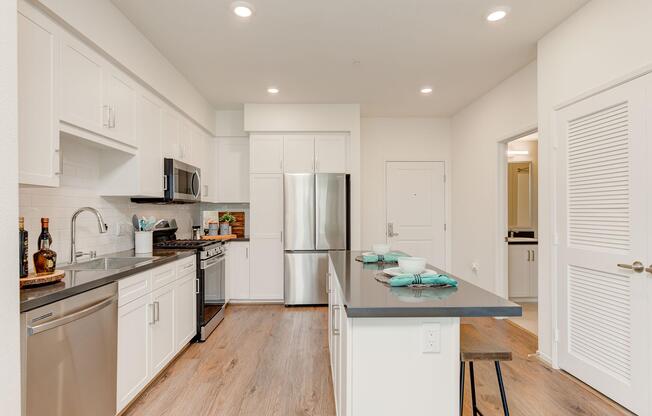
[[476, 347]]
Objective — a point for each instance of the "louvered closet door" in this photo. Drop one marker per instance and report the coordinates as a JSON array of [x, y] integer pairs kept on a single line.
[[602, 144]]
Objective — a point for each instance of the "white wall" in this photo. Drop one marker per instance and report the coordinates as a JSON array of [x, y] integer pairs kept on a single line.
[[9, 311], [604, 41], [79, 184], [315, 118], [397, 139], [504, 112], [104, 25], [229, 123]]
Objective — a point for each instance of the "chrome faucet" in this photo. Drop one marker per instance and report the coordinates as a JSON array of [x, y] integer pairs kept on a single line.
[[74, 254]]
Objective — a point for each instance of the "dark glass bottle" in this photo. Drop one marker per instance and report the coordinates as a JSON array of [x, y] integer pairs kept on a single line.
[[22, 237], [45, 259]]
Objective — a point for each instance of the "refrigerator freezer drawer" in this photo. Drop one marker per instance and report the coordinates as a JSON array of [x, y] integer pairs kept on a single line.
[[306, 278]]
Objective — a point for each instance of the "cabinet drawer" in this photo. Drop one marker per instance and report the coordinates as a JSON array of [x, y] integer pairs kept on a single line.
[[164, 275], [186, 266], [133, 287]]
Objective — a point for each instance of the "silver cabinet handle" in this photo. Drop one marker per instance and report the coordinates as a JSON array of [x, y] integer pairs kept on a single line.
[[157, 311], [196, 286], [58, 161], [390, 230], [637, 266], [32, 330], [247, 252], [529, 255], [153, 308], [336, 331], [106, 116], [113, 116], [533, 254]]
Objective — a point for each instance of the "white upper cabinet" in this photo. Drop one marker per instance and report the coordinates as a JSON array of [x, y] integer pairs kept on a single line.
[[209, 170], [266, 153], [170, 130], [198, 148], [266, 206], [232, 169], [330, 153], [185, 141], [299, 154], [38, 121], [120, 97], [82, 101], [148, 128]]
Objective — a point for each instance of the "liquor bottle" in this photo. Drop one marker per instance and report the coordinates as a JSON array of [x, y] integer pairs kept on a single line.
[[45, 260], [22, 236]]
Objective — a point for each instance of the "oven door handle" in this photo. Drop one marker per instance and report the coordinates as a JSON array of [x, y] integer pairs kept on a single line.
[[205, 264]]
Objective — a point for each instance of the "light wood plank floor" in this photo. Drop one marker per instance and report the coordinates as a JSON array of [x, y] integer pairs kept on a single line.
[[270, 360]]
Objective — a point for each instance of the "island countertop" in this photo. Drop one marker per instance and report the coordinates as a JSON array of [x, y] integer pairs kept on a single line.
[[365, 297]]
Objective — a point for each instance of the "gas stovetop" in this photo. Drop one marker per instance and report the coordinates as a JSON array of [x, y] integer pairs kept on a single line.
[[189, 244]]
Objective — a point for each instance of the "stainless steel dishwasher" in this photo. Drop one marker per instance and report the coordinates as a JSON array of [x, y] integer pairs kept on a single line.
[[69, 355]]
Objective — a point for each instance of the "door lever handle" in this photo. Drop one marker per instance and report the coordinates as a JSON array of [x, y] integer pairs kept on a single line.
[[637, 266]]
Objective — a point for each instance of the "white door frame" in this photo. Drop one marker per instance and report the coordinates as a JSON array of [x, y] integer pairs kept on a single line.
[[447, 204], [502, 278]]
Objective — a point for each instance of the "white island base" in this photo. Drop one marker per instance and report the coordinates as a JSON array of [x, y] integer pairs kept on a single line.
[[392, 366]]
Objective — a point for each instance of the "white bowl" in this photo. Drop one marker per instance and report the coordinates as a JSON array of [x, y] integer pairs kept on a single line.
[[412, 265], [380, 249]]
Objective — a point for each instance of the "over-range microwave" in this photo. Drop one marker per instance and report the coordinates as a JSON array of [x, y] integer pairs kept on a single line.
[[181, 184]]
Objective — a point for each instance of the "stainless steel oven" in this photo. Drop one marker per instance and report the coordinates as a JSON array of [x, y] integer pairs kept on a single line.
[[211, 296]]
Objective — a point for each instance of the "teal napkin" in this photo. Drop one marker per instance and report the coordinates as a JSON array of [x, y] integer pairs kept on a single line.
[[390, 257], [423, 278]]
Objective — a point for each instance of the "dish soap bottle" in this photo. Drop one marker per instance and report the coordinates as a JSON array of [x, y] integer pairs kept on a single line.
[[22, 237], [45, 259]]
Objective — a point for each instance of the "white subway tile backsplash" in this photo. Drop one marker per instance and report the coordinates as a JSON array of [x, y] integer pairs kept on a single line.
[[79, 183]]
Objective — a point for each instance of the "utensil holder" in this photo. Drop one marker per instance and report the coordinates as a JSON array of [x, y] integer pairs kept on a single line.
[[143, 241]]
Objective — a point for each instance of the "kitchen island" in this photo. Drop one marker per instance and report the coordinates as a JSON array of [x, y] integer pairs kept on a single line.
[[396, 350]]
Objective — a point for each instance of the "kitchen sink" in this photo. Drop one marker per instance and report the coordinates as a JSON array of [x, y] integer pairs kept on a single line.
[[108, 263]]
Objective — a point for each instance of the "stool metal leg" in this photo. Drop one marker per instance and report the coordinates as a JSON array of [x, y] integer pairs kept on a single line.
[[473, 402], [462, 371], [503, 396]]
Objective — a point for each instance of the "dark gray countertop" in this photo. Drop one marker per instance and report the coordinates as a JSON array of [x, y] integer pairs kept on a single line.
[[238, 239], [365, 297], [78, 281]]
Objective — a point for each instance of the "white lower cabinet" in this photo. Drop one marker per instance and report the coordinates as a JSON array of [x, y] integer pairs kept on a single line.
[[162, 330], [153, 325], [523, 271], [134, 320], [185, 304], [237, 271], [266, 268]]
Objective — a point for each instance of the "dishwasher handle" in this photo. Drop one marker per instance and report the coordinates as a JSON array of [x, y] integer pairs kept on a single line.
[[33, 330]]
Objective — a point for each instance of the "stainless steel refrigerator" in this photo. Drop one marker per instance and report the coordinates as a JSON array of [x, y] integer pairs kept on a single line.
[[316, 222]]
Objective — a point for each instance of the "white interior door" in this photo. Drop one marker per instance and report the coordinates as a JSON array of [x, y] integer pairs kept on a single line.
[[416, 209], [603, 215]]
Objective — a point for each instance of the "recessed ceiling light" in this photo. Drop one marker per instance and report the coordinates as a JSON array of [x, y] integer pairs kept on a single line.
[[497, 14], [273, 90], [426, 90], [242, 9]]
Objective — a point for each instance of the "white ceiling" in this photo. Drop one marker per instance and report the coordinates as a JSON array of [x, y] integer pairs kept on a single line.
[[378, 53]]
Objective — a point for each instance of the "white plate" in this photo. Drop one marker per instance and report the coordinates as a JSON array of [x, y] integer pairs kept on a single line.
[[396, 271]]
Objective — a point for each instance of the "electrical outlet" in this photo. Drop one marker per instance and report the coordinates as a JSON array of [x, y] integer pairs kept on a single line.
[[431, 338], [120, 229]]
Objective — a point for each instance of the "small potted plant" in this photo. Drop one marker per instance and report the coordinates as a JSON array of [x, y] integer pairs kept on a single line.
[[225, 223]]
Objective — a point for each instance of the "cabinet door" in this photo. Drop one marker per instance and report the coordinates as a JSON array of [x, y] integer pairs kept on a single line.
[[185, 310], [237, 266], [534, 272], [266, 153], [266, 206], [170, 134], [162, 342], [299, 154], [82, 101], [330, 153], [519, 270], [120, 98], [38, 121], [185, 141], [266, 269], [209, 170], [198, 148], [343, 360], [148, 128], [134, 322], [233, 169]]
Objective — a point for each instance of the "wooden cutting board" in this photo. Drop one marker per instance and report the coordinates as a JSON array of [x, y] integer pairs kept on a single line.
[[219, 237], [39, 279], [238, 227]]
